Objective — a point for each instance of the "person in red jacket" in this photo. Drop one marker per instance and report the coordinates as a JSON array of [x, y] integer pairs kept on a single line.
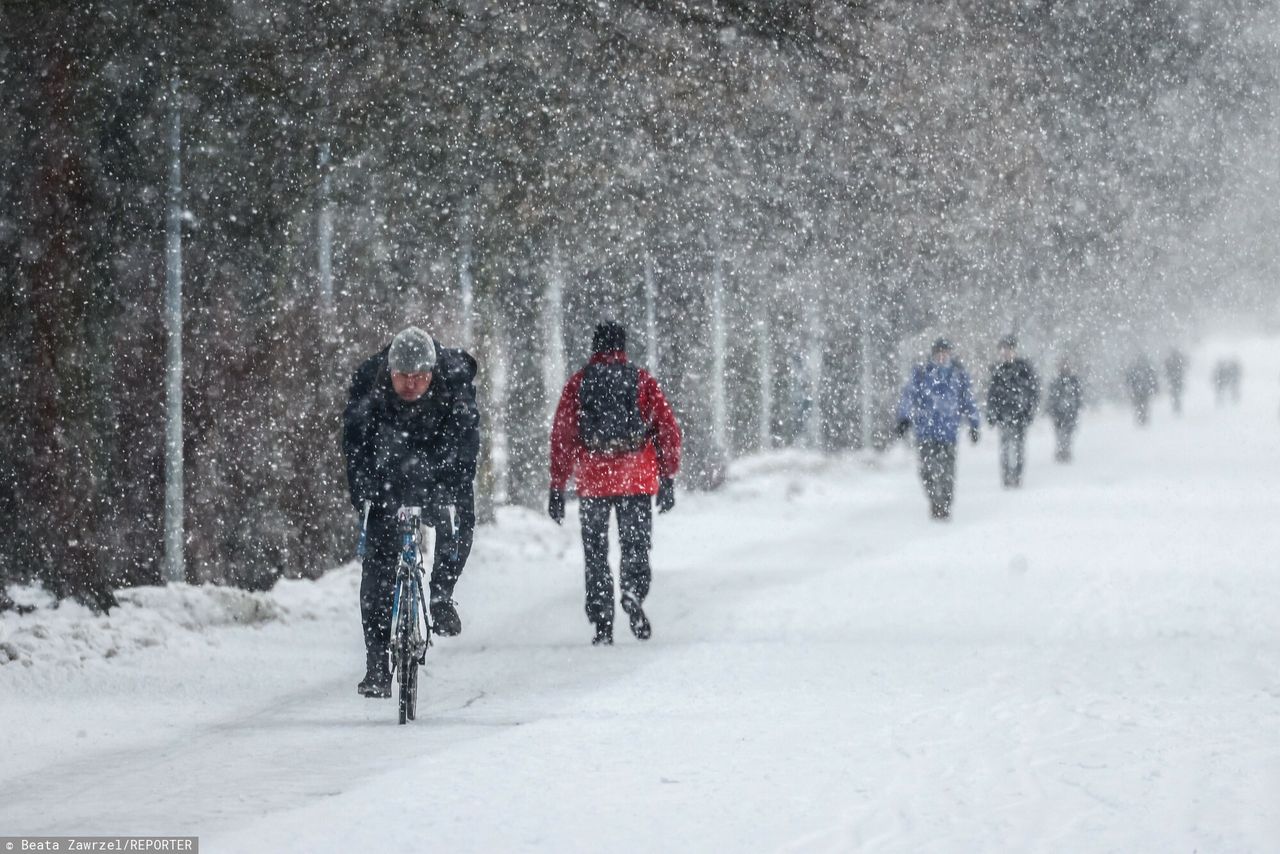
[[616, 435]]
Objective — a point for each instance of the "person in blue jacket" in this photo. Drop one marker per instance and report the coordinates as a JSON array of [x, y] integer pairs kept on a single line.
[[935, 399]]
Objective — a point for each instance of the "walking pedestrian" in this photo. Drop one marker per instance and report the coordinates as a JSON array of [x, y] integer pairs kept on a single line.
[[934, 401], [615, 434], [1012, 399], [1066, 398]]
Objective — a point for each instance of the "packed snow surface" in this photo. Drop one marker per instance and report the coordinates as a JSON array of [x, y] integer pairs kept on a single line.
[[1091, 663]]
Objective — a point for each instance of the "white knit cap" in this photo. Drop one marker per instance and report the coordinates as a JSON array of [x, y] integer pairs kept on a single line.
[[412, 352]]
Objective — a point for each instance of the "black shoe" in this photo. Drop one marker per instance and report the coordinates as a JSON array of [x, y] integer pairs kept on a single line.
[[376, 684], [444, 618], [639, 622], [604, 634]]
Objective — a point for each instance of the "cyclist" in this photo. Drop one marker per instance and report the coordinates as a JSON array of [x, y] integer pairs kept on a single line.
[[616, 435], [411, 435]]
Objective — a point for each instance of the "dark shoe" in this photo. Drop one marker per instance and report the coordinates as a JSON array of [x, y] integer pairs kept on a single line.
[[639, 622], [444, 618], [604, 635], [376, 684]]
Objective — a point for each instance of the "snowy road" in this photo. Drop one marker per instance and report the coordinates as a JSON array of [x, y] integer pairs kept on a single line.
[[1089, 664]]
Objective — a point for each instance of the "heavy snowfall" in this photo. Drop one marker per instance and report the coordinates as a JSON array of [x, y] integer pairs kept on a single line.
[[1089, 664], [267, 265]]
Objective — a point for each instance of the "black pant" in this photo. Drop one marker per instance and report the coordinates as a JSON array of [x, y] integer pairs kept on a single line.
[[1141, 407], [382, 556], [1013, 446], [635, 535], [938, 474], [1064, 431]]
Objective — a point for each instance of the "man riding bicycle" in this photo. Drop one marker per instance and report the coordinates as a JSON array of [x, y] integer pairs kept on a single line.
[[411, 435]]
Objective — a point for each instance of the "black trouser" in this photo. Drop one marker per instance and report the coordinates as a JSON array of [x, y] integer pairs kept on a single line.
[[382, 556], [1013, 446], [938, 474], [635, 535], [1063, 432], [1140, 409]]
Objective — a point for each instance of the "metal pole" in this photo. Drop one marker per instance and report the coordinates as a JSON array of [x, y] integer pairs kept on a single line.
[[764, 368], [719, 403], [465, 283], [174, 570], [555, 366], [651, 313], [813, 362], [325, 261], [866, 376]]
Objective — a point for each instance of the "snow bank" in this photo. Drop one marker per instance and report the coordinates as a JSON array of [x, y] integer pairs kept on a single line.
[[68, 634]]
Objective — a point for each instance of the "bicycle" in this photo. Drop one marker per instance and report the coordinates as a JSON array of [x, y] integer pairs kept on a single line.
[[410, 620]]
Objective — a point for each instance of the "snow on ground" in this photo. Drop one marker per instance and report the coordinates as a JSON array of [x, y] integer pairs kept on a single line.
[[1089, 664]]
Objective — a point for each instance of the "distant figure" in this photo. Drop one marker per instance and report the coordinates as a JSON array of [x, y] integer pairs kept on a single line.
[[615, 434], [1143, 383], [1066, 398], [1175, 368], [934, 400], [1012, 400], [1226, 380]]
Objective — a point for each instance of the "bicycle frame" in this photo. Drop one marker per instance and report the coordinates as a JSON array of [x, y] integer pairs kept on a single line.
[[410, 623], [409, 574]]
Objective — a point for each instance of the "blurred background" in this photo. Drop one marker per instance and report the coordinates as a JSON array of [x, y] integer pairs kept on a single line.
[[785, 202]]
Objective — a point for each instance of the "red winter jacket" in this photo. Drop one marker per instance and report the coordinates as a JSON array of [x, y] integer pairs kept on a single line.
[[601, 475]]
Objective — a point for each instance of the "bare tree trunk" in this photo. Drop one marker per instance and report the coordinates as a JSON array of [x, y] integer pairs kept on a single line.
[[61, 493], [527, 419]]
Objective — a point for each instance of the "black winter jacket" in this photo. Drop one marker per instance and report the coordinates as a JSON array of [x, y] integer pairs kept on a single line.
[[402, 453], [1014, 393]]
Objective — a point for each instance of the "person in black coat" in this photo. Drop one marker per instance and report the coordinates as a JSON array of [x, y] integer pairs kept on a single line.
[[1066, 398], [1175, 369], [1143, 383], [1012, 399], [411, 436]]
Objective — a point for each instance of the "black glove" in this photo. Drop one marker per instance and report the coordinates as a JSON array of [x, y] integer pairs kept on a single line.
[[904, 424], [555, 506], [973, 435], [666, 494]]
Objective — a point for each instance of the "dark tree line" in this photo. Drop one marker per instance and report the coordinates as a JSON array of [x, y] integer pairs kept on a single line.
[[797, 194]]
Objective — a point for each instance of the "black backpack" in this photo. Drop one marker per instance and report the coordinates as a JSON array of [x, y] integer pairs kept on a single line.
[[609, 419]]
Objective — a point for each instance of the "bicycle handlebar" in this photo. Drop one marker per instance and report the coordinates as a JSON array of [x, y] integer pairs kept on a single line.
[[410, 518]]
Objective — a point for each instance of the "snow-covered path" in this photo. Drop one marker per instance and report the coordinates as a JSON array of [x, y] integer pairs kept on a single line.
[[1089, 664]]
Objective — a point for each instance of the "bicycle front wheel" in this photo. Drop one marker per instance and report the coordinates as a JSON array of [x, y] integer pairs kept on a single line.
[[408, 683], [412, 709], [406, 663]]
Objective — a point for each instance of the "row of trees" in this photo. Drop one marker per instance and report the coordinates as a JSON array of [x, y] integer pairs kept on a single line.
[[780, 201]]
